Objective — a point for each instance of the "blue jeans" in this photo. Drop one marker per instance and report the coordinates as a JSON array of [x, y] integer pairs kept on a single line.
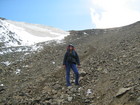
[[72, 66]]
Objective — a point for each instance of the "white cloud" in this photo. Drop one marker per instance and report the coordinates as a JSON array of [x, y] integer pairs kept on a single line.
[[114, 13]]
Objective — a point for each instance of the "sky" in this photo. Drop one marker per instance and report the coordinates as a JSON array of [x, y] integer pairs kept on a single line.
[[72, 14]]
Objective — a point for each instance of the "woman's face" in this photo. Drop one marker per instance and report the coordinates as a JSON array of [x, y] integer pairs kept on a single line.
[[71, 47]]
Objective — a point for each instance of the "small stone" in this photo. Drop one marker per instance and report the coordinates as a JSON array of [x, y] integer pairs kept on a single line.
[[87, 101], [114, 60], [57, 87], [59, 102], [138, 62], [79, 89], [62, 96], [74, 90], [70, 99], [2, 89], [81, 78], [105, 71], [69, 87], [124, 56], [51, 101], [78, 94], [54, 103], [18, 71], [138, 100], [54, 92], [99, 68], [82, 73]]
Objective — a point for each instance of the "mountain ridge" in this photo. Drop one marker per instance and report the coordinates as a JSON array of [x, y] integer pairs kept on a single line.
[[32, 33]]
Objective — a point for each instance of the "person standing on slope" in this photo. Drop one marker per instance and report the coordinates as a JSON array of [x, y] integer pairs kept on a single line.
[[71, 58]]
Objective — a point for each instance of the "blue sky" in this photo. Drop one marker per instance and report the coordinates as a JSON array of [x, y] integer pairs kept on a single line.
[[63, 14], [72, 14]]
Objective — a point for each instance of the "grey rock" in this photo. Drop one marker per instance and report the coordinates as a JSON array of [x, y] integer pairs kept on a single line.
[[54, 92], [138, 100], [2, 88], [70, 99], [74, 89], [57, 87], [99, 68], [59, 101], [87, 101], [122, 91], [82, 73]]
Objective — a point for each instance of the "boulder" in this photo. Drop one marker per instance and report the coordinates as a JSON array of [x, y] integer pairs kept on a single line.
[[122, 91], [82, 73], [70, 99], [57, 87]]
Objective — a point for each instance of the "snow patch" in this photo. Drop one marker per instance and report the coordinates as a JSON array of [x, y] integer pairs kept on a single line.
[[25, 37], [85, 33], [89, 92], [24, 34], [36, 47], [32, 33], [26, 53], [53, 62], [1, 53], [18, 71], [7, 63], [1, 84]]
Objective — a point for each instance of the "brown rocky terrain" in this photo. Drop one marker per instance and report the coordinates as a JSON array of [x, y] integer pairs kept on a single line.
[[109, 73]]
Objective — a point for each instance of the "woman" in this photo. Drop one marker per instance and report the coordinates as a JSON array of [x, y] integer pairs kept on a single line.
[[71, 58]]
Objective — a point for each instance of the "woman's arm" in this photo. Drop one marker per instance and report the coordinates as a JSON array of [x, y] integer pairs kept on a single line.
[[77, 59], [64, 60]]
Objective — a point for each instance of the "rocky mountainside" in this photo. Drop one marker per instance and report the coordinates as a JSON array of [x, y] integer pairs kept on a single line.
[[109, 73]]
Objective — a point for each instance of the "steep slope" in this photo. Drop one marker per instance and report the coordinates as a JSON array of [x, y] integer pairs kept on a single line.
[[110, 73]]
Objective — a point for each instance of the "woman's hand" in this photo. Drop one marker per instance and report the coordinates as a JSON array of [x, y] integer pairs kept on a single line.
[[64, 66], [79, 66]]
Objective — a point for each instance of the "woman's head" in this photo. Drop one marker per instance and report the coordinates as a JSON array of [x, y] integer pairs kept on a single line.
[[70, 47]]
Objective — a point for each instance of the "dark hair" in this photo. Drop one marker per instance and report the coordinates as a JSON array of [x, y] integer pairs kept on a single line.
[[68, 48]]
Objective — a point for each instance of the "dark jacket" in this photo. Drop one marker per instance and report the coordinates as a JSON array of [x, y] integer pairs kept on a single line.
[[71, 58]]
